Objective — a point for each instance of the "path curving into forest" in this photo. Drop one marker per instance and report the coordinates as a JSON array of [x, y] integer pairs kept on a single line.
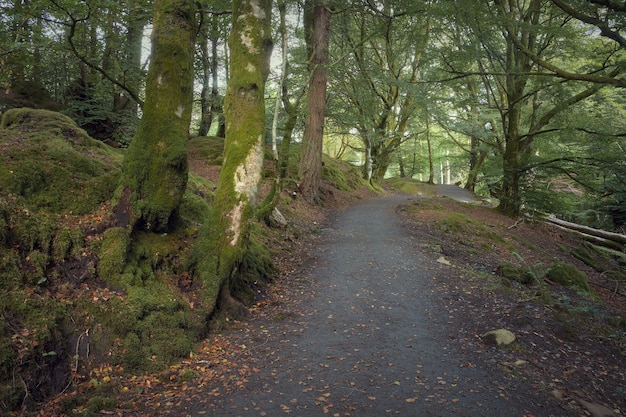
[[373, 339]]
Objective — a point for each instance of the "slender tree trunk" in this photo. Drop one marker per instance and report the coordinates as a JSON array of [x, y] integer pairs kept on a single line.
[[205, 95], [281, 156], [317, 27], [431, 163], [154, 172], [235, 199], [137, 19], [477, 158]]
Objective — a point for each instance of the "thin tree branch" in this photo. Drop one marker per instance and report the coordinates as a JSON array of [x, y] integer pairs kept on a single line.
[[70, 38]]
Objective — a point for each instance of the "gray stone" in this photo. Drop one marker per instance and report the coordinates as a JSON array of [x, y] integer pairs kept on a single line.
[[499, 337], [597, 410], [278, 218]]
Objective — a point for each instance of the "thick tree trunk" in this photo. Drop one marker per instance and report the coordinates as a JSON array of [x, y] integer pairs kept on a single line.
[[317, 26], [227, 238], [154, 172]]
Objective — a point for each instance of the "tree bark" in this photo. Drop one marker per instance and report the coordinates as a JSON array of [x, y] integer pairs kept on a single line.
[[317, 27], [154, 172], [235, 199]]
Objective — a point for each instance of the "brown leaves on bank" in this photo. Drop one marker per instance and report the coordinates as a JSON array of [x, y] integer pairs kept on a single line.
[[213, 370]]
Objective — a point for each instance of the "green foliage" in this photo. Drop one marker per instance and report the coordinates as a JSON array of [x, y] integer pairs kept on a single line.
[[535, 272], [93, 109]]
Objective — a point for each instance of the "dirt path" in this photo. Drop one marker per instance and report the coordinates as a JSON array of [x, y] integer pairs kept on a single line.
[[373, 339]]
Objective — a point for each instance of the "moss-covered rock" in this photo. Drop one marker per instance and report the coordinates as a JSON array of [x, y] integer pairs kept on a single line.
[[568, 276], [515, 273], [52, 164]]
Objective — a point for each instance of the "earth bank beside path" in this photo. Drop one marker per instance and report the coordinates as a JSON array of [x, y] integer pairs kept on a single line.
[[373, 336]]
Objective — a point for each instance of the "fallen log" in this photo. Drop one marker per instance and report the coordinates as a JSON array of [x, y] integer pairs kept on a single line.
[[592, 238], [614, 237]]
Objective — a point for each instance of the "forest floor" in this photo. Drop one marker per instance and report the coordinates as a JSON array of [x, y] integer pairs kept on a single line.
[[379, 308]]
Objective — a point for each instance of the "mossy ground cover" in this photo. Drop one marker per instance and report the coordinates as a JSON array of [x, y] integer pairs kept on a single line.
[[75, 293], [410, 186]]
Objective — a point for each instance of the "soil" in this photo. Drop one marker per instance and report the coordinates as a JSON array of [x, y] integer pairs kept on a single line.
[[378, 311]]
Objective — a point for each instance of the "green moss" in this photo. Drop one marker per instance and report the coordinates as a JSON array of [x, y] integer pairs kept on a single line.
[[163, 328], [569, 276], [411, 186], [342, 175], [155, 166], [113, 252], [10, 273], [256, 270], [97, 404], [333, 174], [587, 257], [38, 263], [515, 273], [47, 177], [210, 148], [7, 353], [194, 208], [68, 242], [52, 164], [30, 347], [455, 223]]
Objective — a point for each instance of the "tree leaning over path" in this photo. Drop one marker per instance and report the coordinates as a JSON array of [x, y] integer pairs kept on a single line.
[[224, 238]]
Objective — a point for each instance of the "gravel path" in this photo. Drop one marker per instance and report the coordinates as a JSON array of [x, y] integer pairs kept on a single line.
[[373, 339]]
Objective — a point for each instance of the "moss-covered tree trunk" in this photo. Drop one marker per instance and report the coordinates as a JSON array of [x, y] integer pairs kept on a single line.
[[154, 173], [226, 236]]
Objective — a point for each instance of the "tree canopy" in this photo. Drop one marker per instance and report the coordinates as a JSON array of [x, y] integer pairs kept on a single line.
[[490, 95]]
